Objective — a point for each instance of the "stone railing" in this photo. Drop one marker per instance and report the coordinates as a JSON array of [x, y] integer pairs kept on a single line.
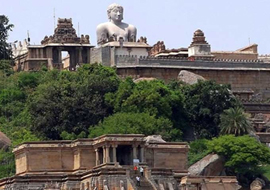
[[206, 63]]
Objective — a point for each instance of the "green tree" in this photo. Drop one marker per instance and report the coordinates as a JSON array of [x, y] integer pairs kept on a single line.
[[7, 163], [5, 67], [5, 27], [242, 154], [235, 121], [198, 150], [205, 101], [71, 101], [72, 136], [134, 123], [153, 97]]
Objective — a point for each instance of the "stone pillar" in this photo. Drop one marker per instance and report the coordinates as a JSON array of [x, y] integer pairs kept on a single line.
[[104, 154], [80, 55], [59, 55], [142, 154], [97, 157], [88, 55], [114, 153], [135, 151], [37, 53], [72, 60], [108, 154]]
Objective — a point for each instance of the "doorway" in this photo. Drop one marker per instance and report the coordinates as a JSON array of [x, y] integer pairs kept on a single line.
[[124, 154]]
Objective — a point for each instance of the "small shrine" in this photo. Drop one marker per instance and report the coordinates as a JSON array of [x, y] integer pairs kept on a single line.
[[49, 53]]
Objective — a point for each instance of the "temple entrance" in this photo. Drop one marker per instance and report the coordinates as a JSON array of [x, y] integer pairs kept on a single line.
[[65, 60], [124, 154]]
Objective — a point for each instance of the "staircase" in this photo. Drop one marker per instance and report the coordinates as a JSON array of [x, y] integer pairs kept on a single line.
[[145, 185]]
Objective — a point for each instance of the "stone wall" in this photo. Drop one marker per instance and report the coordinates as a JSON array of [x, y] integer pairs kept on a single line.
[[45, 160], [253, 76], [107, 54], [21, 163], [132, 51], [209, 183], [95, 55], [164, 156], [101, 55], [126, 60], [235, 55]]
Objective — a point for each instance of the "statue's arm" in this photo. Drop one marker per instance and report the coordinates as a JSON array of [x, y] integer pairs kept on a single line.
[[132, 33], [102, 34]]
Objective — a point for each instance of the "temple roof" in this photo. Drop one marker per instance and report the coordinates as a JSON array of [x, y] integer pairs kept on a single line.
[[65, 33]]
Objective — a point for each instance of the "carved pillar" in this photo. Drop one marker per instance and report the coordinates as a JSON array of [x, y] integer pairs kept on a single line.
[[142, 154], [114, 153], [97, 157], [135, 151], [104, 154], [108, 154]]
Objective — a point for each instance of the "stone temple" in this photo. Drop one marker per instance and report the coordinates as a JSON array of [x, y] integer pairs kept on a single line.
[[106, 162], [49, 53]]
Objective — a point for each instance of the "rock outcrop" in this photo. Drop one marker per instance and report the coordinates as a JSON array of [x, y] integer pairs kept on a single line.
[[189, 77], [154, 139], [144, 79], [4, 141], [210, 165], [257, 184]]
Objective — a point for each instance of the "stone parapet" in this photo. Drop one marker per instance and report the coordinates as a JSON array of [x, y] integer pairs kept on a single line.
[[210, 183], [264, 137]]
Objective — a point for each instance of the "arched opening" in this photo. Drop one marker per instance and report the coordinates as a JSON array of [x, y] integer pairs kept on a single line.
[[65, 60]]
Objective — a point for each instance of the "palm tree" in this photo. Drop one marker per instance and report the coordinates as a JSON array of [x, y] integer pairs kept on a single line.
[[235, 121]]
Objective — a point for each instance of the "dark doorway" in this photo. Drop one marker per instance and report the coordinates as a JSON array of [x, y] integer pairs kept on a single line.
[[100, 155], [124, 154]]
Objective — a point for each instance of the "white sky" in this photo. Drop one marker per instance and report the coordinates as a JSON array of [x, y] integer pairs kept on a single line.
[[227, 24]]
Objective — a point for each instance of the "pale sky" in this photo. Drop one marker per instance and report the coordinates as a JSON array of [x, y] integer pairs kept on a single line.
[[228, 24]]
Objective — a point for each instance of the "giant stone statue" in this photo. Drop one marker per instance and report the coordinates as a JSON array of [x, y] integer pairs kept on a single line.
[[115, 29]]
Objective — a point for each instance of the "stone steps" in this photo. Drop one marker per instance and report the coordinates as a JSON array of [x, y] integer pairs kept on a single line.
[[144, 184]]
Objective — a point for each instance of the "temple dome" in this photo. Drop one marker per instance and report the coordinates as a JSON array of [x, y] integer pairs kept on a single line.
[[198, 33], [198, 37]]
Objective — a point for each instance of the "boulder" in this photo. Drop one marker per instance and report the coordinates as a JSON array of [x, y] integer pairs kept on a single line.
[[4, 141], [189, 77], [154, 139], [210, 165], [144, 79], [257, 184]]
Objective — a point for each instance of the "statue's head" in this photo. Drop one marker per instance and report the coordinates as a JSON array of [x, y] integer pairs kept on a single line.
[[115, 12]]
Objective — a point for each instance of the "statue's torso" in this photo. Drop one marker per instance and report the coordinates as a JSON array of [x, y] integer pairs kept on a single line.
[[111, 32], [118, 31]]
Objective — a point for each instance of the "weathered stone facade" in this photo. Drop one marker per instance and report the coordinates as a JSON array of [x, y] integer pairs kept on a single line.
[[109, 54], [242, 76], [205, 183], [95, 163]]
